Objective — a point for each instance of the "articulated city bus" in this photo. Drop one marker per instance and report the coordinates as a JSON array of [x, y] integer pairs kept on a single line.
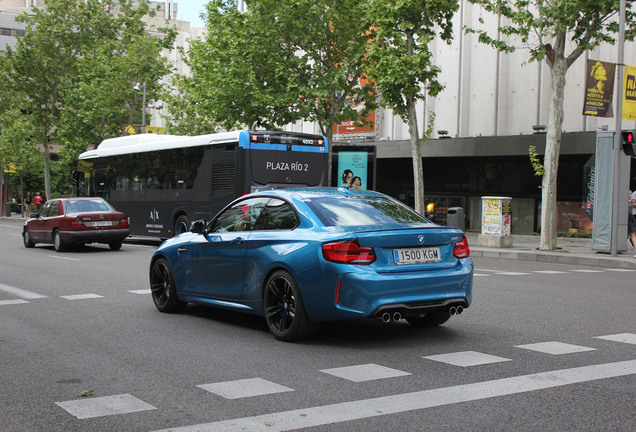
[[164, 182]]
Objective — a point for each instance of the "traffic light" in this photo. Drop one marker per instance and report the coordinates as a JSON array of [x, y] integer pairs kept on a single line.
[[628, 143]]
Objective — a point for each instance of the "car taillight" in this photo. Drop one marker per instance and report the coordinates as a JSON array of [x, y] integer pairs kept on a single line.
[[348, 253], [123, 222], [461, 249], [77, 224]]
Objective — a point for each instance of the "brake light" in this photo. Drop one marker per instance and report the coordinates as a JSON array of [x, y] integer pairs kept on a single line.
[[77, 224], [348, 253], [124, 222], [461, 249]]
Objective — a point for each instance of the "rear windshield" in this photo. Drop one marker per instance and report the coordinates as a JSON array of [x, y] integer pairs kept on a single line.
[[363, 210], [76, 206]]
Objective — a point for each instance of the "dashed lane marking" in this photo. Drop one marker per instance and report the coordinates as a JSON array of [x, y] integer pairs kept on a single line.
[[628, 338], [366, 372], [467, 358], [406, 402], [12, 302], [81, 296], [244, 388], [28, 295], [555, 348], [104, 406], [63, 258]]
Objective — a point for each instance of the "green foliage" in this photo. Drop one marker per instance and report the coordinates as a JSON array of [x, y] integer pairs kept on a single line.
[[71, 77], [538, 24], [275, 64], [535, 161], [400, 59]]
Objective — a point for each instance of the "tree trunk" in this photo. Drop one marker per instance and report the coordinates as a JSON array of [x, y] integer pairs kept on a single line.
[[558, 69], [329, 136], [47, 170], [418, 172]]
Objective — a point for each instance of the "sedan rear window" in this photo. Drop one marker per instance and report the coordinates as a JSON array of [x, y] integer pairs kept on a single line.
[[362, 210]]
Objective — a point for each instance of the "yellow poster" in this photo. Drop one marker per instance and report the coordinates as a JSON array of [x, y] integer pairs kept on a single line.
[[629, 93], [599, 88]]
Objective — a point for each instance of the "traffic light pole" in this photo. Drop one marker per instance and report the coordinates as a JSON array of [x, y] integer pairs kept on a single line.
[[620, 65]]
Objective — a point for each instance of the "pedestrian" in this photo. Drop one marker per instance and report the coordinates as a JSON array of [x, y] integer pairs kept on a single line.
[[28, 200], [38, 201], [632, 219]]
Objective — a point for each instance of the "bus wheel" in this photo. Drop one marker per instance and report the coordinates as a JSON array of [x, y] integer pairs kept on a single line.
[[181, 225]]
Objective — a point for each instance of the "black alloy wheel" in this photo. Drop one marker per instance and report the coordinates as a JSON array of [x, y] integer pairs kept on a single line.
[[284, 311], [162, 287]]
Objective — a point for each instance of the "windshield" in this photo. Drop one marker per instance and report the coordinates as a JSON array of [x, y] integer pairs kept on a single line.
[[362, 210], [75, 206]]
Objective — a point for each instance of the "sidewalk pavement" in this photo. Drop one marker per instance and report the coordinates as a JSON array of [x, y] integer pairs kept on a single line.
[[576, 251]]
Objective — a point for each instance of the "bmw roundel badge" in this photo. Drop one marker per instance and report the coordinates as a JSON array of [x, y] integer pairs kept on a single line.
[[420, 238]]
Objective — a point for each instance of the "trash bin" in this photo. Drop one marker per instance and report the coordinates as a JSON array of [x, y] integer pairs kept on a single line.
[[7, 209], [455, 218]]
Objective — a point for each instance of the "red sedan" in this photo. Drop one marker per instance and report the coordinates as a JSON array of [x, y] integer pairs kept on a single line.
[[76, 221]]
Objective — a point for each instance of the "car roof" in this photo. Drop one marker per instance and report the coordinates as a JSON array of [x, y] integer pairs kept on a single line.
[[315, 192]]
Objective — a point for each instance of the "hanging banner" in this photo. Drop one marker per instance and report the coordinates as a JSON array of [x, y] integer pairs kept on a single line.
[[629, 93], [599, 88]]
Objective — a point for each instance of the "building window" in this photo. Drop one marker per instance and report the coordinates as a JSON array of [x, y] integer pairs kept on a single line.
[[5, 32]]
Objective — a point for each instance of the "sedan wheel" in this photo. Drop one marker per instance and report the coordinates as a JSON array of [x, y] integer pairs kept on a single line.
[[164, 292], [115, 245], [26, 237], [284, 310], [58, 243]]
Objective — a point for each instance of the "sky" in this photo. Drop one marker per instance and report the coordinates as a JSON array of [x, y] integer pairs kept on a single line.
[[189, 10]]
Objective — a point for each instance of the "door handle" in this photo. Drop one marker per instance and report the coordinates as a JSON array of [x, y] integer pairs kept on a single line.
[[181, 249]]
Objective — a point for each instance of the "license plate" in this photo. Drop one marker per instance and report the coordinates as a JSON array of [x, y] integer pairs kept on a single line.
[[102, 223], [416, 255]]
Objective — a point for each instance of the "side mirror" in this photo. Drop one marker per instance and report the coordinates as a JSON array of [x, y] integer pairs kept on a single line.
[[198, 226]]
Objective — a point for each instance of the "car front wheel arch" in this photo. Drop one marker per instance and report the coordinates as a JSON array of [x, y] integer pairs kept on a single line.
[[284, 308]]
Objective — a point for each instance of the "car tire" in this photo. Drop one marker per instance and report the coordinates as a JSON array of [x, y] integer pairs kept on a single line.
[[284, 310], [26, 237], [163, 289], [430, 320], [58, 243], [181, 225], [115, 245]]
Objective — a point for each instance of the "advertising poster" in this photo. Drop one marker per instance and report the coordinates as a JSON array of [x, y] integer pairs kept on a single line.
[[599, 88], [629, 93], [353, 168]]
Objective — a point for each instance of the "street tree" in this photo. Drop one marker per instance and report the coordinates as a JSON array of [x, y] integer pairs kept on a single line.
[[75, 67], [557, 32], [400, 63], [275, 64]]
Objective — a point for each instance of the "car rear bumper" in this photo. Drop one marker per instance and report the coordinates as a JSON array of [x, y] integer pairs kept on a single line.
[[363, 293], [97, 236]]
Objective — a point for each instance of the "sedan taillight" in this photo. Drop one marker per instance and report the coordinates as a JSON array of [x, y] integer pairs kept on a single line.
[[123, 222], [348, 253], [461, 249], [76, 223]]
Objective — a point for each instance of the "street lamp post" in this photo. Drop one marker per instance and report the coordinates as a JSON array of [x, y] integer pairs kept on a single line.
[[143, 104]]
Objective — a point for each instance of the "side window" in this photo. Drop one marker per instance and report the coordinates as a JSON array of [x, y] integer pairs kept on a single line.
[[44, 209], [53, 209], [278, 215], [240, 217]]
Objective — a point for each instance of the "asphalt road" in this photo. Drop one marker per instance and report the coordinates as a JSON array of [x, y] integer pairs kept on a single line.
[[544, 347]]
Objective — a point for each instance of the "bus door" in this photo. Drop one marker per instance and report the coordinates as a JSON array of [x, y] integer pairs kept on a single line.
[[286, 160]]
